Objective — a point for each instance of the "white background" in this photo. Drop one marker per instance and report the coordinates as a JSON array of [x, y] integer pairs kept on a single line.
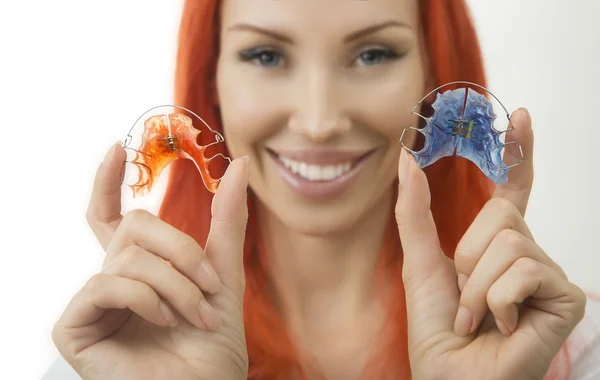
[[74, 75]]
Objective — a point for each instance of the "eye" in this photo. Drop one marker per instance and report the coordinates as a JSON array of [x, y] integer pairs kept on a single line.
[[262, 56], [374, 56]]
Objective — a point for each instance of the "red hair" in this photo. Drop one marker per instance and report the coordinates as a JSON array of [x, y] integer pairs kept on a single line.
[[458, 188]]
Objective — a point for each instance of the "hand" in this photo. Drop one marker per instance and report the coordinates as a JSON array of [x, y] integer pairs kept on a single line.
[[144, 318], [502, 309]]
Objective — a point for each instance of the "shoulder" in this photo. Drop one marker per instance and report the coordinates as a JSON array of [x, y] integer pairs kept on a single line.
[[582, 348]]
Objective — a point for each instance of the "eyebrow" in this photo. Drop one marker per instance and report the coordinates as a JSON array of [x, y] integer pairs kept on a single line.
[[374, 28], [349, 38]]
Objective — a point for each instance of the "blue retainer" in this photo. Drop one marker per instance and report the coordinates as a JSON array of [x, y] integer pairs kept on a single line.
[[463, 124]]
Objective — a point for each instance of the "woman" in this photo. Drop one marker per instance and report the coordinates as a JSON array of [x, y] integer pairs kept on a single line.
[[312, 275]]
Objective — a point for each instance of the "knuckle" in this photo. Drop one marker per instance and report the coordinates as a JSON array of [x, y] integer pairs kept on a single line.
[[90, 217], [192, 250], [189, 254], [401, 218], [465, 258], [528, 267], [510, 239], [143, 291], [95, 284], [57, 334], [63, 341], [580, 301], [129, 256], [504, 210], [234, 227], [398, 212], [135, 217], [496, 297], [62, 344], [126, 262]]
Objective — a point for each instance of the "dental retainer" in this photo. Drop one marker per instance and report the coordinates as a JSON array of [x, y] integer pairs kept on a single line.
[[168, 135], [463, 124]]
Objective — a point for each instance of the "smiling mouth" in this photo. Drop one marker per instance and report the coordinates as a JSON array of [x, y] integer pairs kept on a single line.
[[318, 173], [319, 165]]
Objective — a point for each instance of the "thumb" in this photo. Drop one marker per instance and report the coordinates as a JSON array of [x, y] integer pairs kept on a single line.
[[429, 278], [418, 234], [104, 209], [225, 244]]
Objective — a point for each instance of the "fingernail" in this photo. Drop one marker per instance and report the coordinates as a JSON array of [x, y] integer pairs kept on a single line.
[[209, 315], [527, 116], [462, 280], [211, 278], [167, 315], [110, 152], [513, 321], [463, 322], [403, 170], [502, 327]]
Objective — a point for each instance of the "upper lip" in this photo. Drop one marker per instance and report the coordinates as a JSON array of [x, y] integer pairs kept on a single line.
[[321, 156]]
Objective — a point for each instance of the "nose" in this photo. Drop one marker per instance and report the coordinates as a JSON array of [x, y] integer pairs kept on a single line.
[[318, 111]]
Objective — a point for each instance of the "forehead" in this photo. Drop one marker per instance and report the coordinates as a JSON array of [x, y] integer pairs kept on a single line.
[[318, 16]]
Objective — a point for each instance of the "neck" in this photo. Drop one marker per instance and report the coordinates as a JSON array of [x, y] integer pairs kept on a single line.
[[321, 281]]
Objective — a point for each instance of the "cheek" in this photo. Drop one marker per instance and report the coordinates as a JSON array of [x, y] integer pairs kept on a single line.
[[384, 102], [251, 108], [384, 107]]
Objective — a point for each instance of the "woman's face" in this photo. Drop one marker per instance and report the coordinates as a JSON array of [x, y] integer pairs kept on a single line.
[[317, 93]]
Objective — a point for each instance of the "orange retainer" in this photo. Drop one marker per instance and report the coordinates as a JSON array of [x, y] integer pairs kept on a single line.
[[165, 139]]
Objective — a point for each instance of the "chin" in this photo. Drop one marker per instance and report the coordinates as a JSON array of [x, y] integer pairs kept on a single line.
[[317, 220]]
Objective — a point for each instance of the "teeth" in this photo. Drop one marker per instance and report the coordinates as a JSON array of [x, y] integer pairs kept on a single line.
[[316, 172], [303, 169]]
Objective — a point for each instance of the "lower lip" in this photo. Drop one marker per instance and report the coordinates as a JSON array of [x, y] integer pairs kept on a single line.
[[319, 189]]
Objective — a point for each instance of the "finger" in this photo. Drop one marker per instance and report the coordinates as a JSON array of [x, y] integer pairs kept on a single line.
[[104, 209], [505, 249], [553, 294], [138, 264], [497, 215], [428, 275], [520, 177], [549, 307], [225, 243], [418, 234], [140, 227], [105, 291]]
